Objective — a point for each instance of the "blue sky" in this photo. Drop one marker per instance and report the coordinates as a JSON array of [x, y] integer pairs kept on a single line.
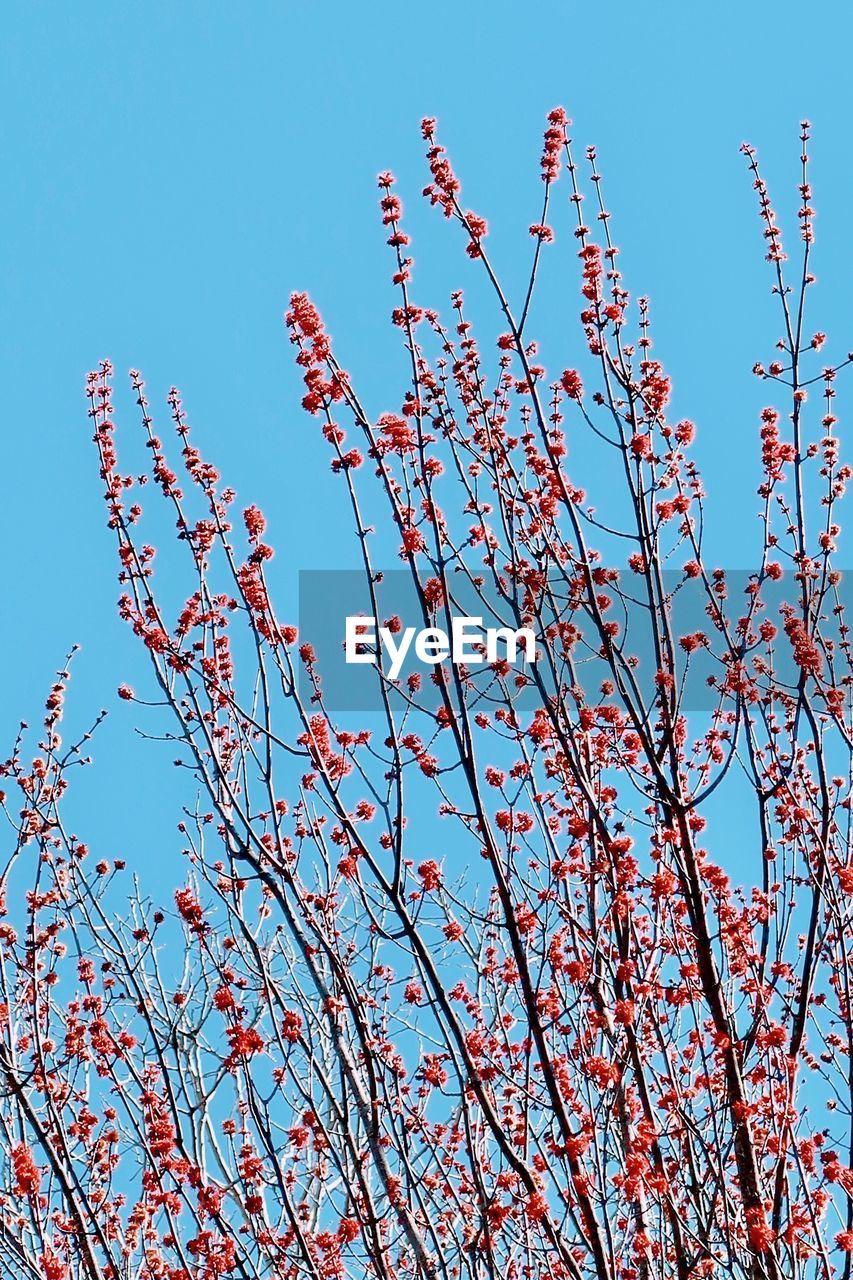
[[173, 171]]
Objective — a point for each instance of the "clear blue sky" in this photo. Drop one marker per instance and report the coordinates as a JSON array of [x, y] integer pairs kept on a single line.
[[173, 170]]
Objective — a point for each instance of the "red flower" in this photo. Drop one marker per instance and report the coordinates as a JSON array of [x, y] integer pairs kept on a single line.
[[255, 523], [572, 384], [25, 1171], [430, 874]]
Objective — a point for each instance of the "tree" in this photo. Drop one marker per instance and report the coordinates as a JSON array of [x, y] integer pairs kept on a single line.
[[468, 991]]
